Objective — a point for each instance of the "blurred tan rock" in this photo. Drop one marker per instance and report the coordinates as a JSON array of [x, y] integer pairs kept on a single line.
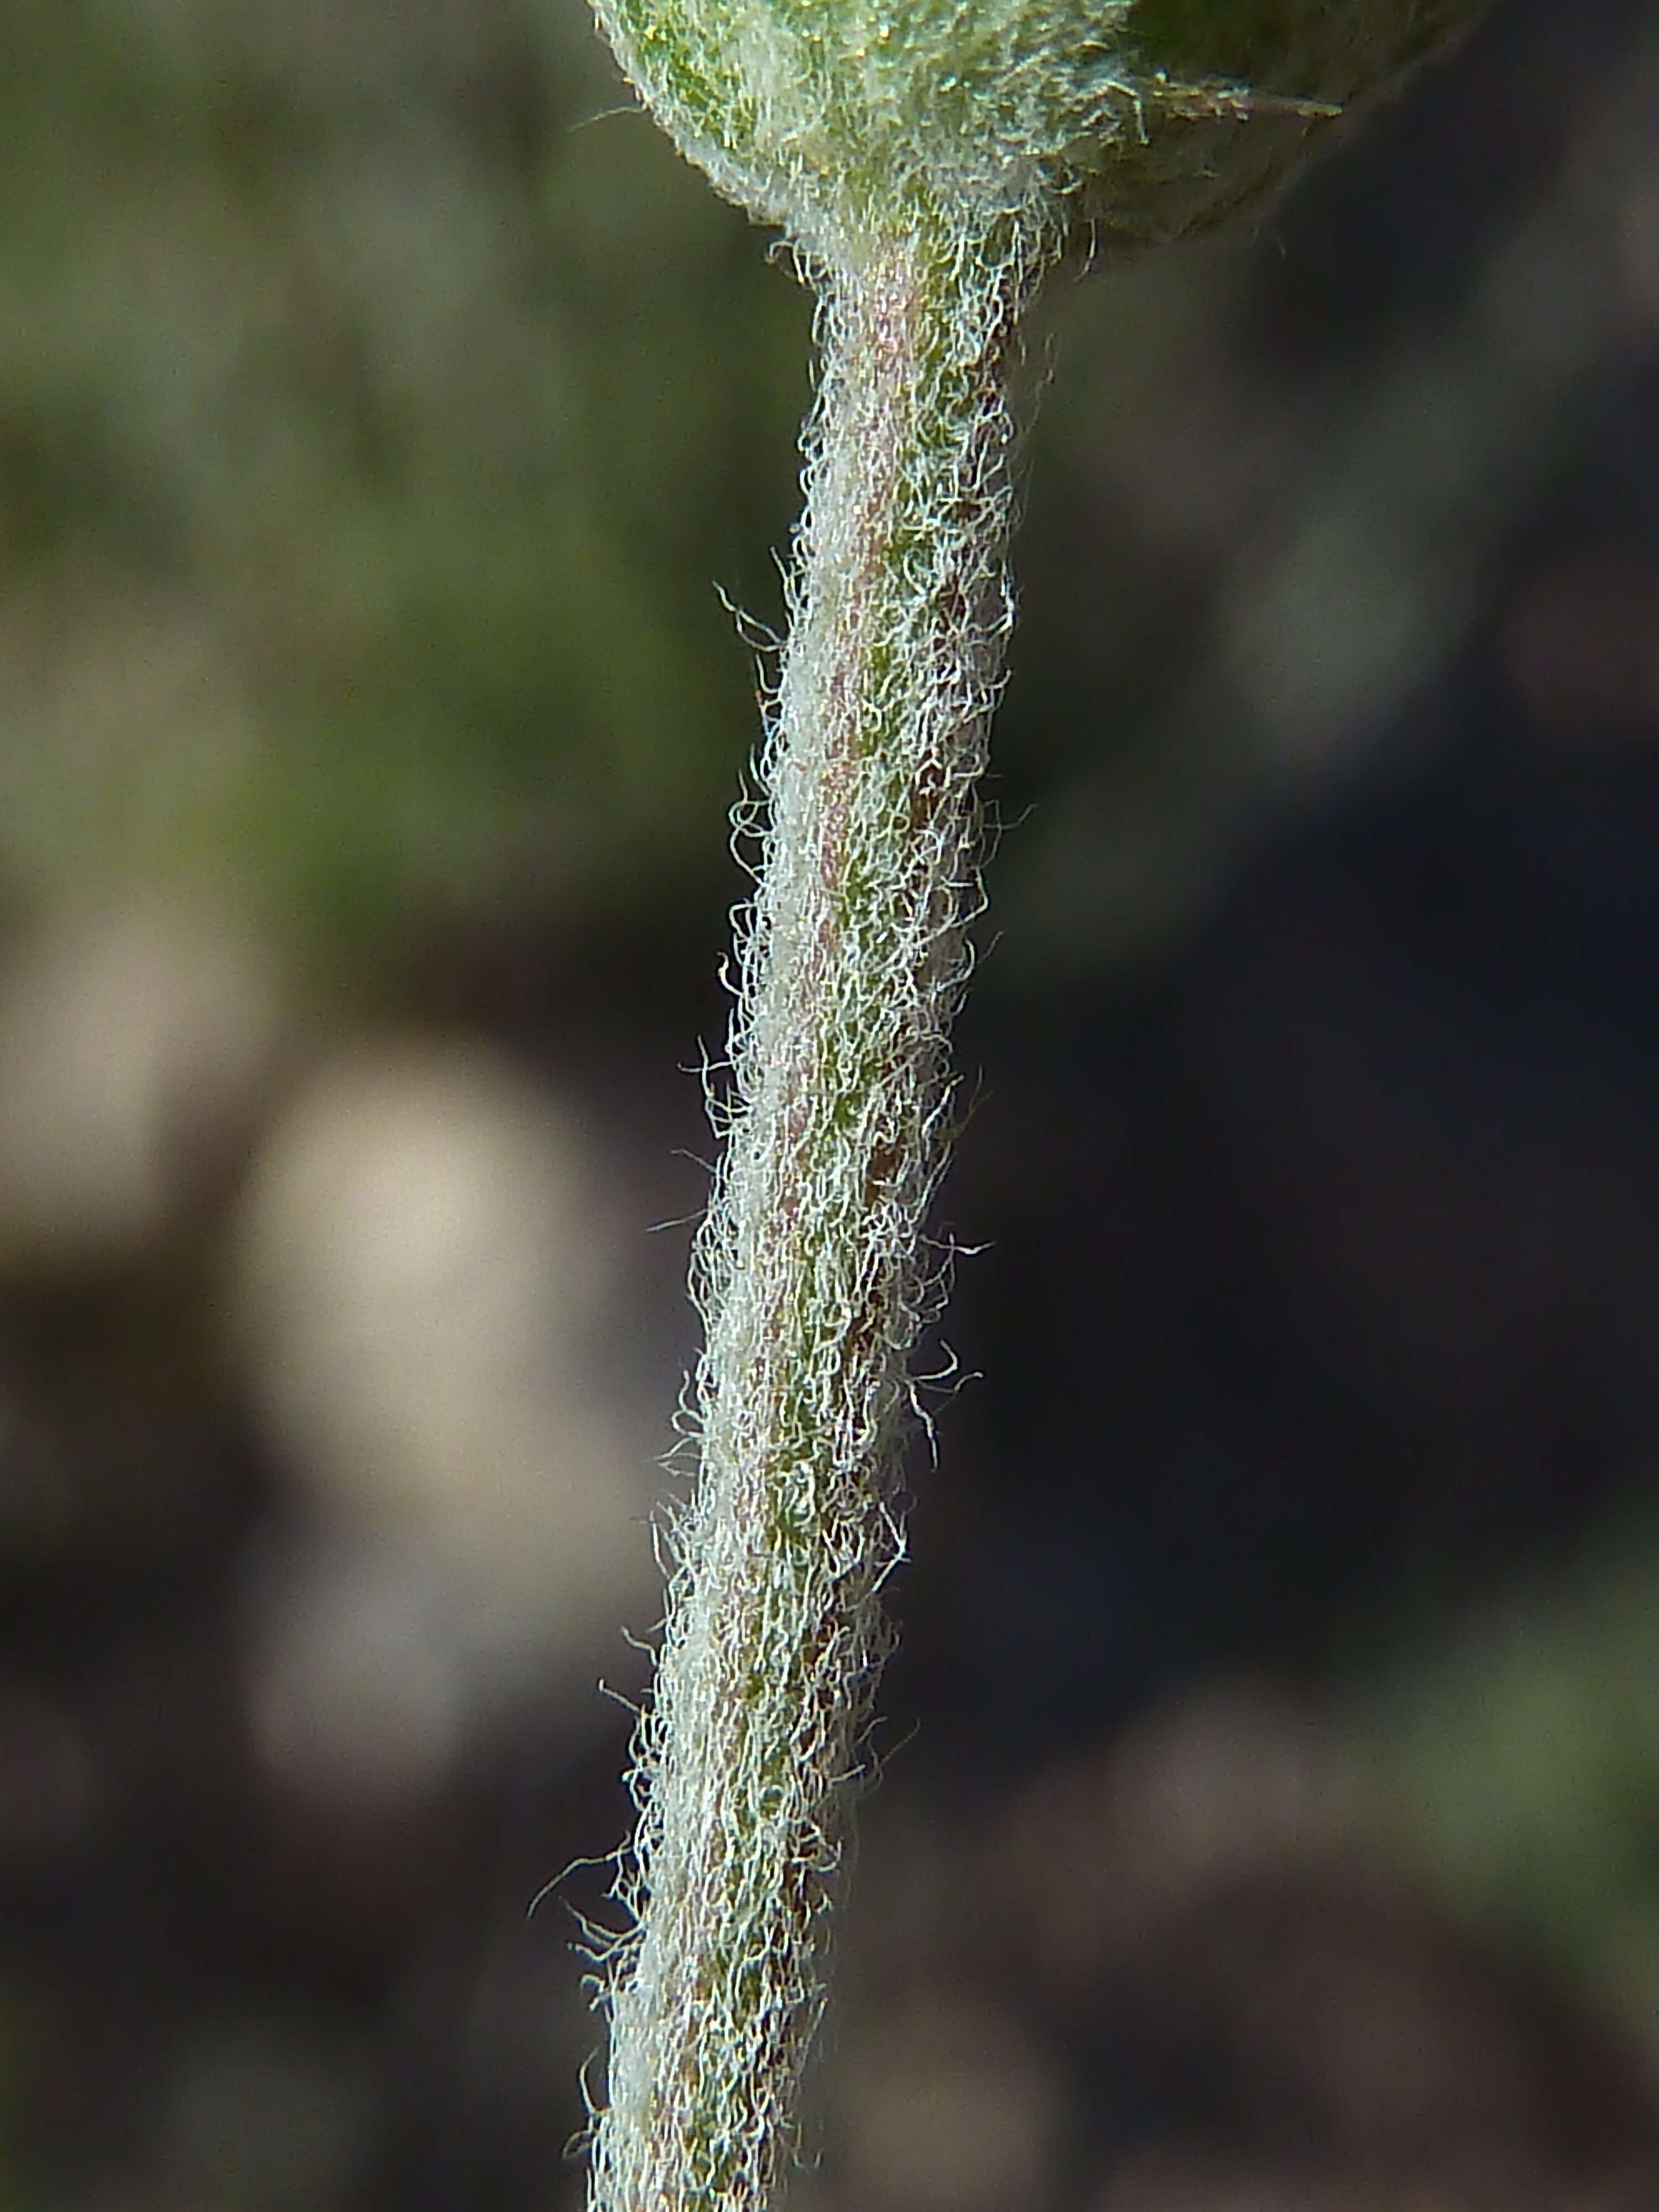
[[360, 1684], [135, 1044], [423, 1263]]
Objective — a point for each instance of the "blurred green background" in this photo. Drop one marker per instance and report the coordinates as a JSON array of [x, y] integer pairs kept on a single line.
[[382, 409]]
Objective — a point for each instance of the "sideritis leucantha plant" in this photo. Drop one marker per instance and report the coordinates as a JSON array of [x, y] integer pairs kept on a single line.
[[927, 161]]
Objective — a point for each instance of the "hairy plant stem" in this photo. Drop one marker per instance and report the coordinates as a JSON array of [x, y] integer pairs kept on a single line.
[[808, 1270]]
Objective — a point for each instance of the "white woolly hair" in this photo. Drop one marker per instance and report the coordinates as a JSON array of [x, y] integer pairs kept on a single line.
[[853, 959], [923, 158], [830, 116], [788, 103]]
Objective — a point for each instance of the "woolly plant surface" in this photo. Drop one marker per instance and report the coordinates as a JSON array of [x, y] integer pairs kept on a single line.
[[1155, 117], [926, 160]]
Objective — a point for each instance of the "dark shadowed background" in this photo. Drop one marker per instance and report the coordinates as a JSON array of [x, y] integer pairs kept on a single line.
[[397, 453]]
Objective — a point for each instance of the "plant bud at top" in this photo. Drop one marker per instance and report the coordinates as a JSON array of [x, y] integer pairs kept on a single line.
[[1153, 117]]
